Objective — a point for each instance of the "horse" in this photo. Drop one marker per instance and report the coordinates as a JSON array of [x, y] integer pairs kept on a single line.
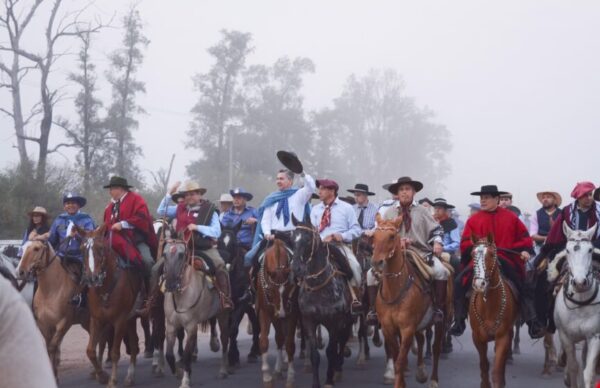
[[362, 248], [53, 312], [190, 299], [323, 299], [234, 256], [577, 307], [113, 287], [9, 261], [404, 305], [276, 303], [493, 310]]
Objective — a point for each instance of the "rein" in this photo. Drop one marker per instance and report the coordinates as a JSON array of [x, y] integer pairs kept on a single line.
[[268, 284], [568, 296], [188, 264]]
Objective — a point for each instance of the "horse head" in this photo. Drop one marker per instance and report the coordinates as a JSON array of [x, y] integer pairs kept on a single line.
[[385, 241], [485, 262], [36, 258], [579, 252], [175, 262], [305, 244], [228, 239], [95, 250]]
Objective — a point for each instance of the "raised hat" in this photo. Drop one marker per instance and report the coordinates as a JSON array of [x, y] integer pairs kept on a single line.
[[290, 161], [361, 188], [490, 190], [117, 181], [405, 180]]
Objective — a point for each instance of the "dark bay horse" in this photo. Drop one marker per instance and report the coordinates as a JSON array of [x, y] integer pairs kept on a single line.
[[323, 299], [234, 256], [112, 295], [277, 304]]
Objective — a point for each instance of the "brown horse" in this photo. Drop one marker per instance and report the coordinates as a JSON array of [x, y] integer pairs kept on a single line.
[[276, 303], [111, 298], [56, 287], [404, 305], [493, 311]]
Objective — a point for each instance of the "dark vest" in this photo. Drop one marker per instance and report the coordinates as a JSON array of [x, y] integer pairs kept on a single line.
[[543, 219], [200, 216]]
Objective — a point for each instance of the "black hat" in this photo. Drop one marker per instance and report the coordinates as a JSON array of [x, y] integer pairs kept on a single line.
[[441, 202], [117, 181], [405, 180], [489, 189], [361, 188], [425, 200], [71, 196], [290, 161]]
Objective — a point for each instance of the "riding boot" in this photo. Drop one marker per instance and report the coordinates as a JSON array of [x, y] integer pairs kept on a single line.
[[224, 288], [356, 307], [439, 300], [460, 308], [153, 285], [372, 314], [535, 328], [248, 295]]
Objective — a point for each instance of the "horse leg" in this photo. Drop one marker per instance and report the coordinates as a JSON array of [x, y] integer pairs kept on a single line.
[[421, 375], [593, 345], [311, 335], [331, 352], [549, 355], [361, 334], [223, 320], [391, 351], [134, 351], [214, 338], [171, 334], [253, 320], [406, 339], [101, 375], [319, 338], [279, 342], [265, 326], [180, 337], [503, 345], [343, 336], [290, 347], [428, 337], [234, 353], [484, 364], [148, 345], [158, 338], [54, 344], [120, 327], [376, 337], [191, 330], [438, 340], [572, 370], [517, 340]]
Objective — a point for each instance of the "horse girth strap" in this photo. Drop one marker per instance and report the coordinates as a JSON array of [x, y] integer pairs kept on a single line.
[[400, 295], [189, 308], [333, 274]]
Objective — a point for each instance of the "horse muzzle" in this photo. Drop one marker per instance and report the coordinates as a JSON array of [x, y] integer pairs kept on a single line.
[[94, 280], [582, 284], [26, 277], [480, 284]]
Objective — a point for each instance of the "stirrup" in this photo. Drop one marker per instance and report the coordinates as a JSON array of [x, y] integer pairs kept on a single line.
[[372, 318], [356, 307]]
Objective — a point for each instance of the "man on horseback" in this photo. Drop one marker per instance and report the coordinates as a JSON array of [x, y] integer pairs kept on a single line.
[[542, 220], [129, 223], [582, 214], [420, 232], [63, 238], [241, 212], [337, 224], [365, 210], [514, 246]]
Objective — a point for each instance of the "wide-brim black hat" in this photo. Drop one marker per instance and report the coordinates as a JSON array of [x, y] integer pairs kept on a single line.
[[405, 180], [425, 200], [75, 197], [360, 188], [290, 161], [441, 202], [490, 190], [117, 181]]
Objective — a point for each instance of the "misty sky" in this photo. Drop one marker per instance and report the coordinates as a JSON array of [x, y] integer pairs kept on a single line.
[[516, 82]]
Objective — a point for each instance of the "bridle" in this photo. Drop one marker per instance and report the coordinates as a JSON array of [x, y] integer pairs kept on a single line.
[[591, 274], [268, 283], [179, 275], [485, 275], [37, 268]]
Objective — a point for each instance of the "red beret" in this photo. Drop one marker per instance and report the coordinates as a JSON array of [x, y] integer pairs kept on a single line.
[[582, 188], [328, 184]]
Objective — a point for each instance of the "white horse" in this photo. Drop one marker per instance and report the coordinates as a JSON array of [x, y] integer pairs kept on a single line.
[[10, 268], [577, 308]]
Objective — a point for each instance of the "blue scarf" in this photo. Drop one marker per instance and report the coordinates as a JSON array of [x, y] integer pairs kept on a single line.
[[281, 199]]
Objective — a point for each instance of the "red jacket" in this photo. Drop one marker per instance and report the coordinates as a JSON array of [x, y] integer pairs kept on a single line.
[[134, 211], [509, 233]]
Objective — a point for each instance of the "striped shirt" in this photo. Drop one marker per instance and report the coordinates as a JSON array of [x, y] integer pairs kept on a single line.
[[369, 213]]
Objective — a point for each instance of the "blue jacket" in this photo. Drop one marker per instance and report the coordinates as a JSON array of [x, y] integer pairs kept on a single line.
[[58, 234], [231, 219]]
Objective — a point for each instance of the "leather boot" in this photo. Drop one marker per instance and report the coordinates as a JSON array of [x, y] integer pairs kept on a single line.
[[357, 306], [152, 285], [224, 288], [535, 328], [439, 300], [460, 316], [372, 314]]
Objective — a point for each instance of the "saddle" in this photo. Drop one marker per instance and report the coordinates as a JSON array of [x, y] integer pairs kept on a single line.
[[424, 265]]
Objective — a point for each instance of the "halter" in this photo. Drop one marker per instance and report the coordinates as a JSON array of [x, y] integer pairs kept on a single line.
[[568, 294], [266, 281], [485, 276], [314, 241], [38, 269], [189, 258]]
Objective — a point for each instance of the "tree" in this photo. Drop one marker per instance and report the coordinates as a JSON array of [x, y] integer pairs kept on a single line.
[[125, 62], [219, 106]]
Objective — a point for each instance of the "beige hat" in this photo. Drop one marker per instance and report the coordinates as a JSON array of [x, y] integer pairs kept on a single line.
[[38, 210], [190, 186], [226, 197], [556, 196]]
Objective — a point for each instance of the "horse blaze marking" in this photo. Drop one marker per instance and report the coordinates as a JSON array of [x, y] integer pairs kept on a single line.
[[281, 306], [298, 237], [226, 240], [91, 261]]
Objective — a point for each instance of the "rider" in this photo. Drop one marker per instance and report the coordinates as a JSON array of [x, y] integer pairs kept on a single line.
[[130, 226], [225, 204], [421, 233], [451, 236], [63, 238], [337, 223], [514, 248], [38, 229], [582, 214], [364, 209], [241, 212], [542, 220]]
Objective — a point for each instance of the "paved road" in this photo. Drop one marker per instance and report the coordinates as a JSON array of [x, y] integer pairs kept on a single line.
[[459, 370]]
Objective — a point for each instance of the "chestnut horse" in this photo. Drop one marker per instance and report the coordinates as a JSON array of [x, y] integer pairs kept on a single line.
[[53, 312], [112, 295], [276, 303], [404, 304], [493, 310]]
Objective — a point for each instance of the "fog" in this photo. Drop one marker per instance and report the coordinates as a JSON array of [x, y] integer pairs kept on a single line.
[[516, 83]]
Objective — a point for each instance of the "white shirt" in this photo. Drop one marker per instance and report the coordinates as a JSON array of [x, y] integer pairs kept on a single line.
[[296, 204], [342, 221]]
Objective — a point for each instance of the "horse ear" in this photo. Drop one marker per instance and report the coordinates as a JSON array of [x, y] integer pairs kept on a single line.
[[490, 238], [591, 232], [295, 221], [378, 218], [398, 222], [474, 238], [567, 230]]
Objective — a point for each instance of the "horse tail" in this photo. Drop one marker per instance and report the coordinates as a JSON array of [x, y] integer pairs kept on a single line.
[[204, 326]]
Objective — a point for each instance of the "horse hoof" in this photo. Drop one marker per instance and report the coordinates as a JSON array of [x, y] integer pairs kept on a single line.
[[129, 382], [347, 352], [102, 377], [517, 351], [148, 353], [252, 358], [215, 345], [179, 373], [361, 362], [337, 377], [421, 375], [268, 384], [289, 385], [222, 375], [328, 386], [388, 381], [377, 342], [433, 384], [567, 380]]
